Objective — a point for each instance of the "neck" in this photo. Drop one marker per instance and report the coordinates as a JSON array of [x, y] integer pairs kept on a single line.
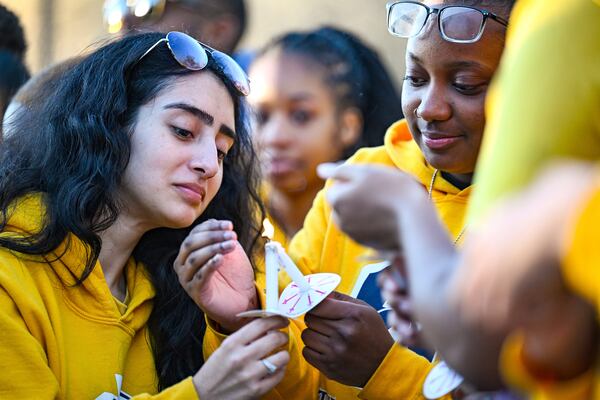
[[118, 242], [461, 181], [290, 209]]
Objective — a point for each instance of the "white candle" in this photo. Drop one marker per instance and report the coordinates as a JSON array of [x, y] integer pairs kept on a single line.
[[272, 272], [291, 269]]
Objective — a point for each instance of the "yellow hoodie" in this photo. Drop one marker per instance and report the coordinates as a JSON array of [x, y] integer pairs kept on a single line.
[[63, 341]]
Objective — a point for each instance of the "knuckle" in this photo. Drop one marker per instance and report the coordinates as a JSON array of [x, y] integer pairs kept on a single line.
[[255, 388], [285, 358], [187, 243]]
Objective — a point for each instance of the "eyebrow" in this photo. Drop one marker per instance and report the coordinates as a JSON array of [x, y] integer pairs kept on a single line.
[[453, 64], [301, 96], [202, 116], [414, 58]]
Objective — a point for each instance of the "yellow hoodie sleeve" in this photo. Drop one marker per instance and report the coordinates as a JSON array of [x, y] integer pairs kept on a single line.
[[23, 362], [406, 369], [517, 375], [581, 264], [184, 390]]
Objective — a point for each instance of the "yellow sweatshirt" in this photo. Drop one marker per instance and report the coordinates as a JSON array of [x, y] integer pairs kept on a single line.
[[63, 341], [321, 247]]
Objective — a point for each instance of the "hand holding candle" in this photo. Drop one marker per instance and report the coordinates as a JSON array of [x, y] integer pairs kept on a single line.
[[300, 296]]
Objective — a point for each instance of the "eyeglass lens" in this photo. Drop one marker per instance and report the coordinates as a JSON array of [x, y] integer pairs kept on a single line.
[[462, 24]]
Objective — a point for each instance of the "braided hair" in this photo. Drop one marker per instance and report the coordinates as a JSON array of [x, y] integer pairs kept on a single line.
[[354, 73]]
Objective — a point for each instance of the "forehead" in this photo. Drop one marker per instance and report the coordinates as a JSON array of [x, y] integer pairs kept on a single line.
[[429, 44], [492, 6], [203, 90], [282, 73]]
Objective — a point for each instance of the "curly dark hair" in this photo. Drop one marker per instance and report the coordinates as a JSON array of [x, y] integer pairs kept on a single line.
[[75, 151], [12, 36]]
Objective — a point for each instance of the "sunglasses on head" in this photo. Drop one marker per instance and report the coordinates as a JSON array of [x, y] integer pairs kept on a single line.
[[194, 55]]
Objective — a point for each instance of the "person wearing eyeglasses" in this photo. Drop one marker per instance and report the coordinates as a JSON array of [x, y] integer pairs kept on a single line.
[[218, 23], [529, 266], [452, 54], [107, 191]]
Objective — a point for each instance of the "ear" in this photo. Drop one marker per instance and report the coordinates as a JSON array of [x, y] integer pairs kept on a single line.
[[351, 124]]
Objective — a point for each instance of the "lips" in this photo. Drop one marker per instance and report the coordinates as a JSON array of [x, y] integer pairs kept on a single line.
[[281, 166], [191, 192], [439, 140]]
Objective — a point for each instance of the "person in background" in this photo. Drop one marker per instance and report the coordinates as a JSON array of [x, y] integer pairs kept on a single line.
[[218, 23], [318, 96], [104, 194], [13, 74], [13, 71], [12, 36], [451, 57]]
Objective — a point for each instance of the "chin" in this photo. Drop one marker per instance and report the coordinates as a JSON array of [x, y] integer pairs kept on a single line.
[[289, 184], [181, 219]]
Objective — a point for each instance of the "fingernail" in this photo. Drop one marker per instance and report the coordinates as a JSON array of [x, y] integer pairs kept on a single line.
[[225, 225], [229, 235]]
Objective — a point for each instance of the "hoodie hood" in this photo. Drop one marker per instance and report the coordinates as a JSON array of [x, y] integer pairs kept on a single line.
[[406, 155]]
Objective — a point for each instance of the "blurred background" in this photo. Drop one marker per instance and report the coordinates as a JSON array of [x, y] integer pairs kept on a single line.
[[57, 29]]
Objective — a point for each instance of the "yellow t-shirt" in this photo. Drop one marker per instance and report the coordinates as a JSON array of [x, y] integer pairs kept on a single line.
[[63, 341], [545, 101]]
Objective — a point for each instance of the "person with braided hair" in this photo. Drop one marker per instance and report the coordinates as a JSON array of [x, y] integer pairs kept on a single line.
[[319, 96]]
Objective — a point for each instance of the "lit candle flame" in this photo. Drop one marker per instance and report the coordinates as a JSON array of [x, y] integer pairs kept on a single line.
[[268, 229]]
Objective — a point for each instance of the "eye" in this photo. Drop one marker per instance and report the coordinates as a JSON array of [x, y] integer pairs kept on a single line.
[[469, 90], [221, 155], [262, 117], [414, 81], [301, 117], [182, 133]]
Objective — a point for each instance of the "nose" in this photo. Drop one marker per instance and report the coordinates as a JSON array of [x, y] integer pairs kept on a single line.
[[434, 105], [204, 159]]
